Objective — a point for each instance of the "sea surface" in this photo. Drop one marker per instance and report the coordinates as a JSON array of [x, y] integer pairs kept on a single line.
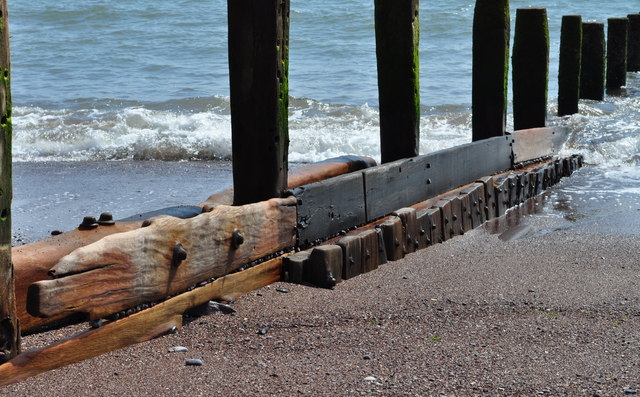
[[137, 82]]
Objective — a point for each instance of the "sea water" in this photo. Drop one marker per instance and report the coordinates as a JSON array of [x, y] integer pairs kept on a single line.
[[139, 81]]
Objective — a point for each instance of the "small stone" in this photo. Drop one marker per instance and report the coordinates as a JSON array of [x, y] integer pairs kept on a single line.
[[193, 362], [178, 349], [630, 391], [283, 290], [367, 357], [369, 379], [261, 364], [263, 331]]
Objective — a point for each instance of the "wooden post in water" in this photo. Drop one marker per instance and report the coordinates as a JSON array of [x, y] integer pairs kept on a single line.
[[397, 37], [617, 32], [491, 30], [530, 68], [258, 74], [9, 327], [593, 61], [569, 69], [633, 43]]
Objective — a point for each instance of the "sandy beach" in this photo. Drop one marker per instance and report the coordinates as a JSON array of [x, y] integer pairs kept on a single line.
[[545, 306]]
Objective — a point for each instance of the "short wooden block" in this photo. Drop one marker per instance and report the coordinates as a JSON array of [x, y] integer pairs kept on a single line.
[[580, 159], [446, 217], [489, 198], [409, 228], [351, 256], [456, 215], [540, 187], [382, 250], [424, 230], [575, 164], [501, 192], [325, 266], [467, 212], [533, 181], [370, 250], [294, 265], [568, 170], [559, 165], [392, 236], [513, 190], [524, 191]]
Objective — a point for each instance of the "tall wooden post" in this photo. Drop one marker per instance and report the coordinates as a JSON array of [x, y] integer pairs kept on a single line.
[[530, 68], [397, 38], [491, 30], [592, 69], [633, 43], [9, 327], [569, 68], [258, 73], [617, 31]]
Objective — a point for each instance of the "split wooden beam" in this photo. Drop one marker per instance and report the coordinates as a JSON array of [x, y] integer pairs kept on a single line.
[[139, 327], [165, 257], [9, 324]]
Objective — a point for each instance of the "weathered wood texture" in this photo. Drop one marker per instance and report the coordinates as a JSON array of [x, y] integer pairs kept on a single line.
[[592, 69], [530, 68], [168, 256], [617, 34], [569, 66], [491, 30], [258, 74], [406, 182], [139, 327], [397, 38], [538, 143], [326, 208], [633, 47], [9, 324]]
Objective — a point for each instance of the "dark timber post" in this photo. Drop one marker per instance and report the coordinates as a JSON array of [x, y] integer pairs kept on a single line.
[[593, 61], [530, 68], [9, 327], [633, 43], [491, 30], [569, 69], [397, 37], [617, 52], [258, 74]]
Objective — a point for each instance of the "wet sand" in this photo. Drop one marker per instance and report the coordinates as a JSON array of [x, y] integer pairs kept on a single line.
[[548, 305]]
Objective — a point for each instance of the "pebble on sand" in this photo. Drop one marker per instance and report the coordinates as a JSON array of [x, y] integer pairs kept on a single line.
[[193, 362], [178, 349], [369, 379]]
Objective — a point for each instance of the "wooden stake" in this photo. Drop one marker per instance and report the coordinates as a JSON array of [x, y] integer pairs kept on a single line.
[[9, 325], [617, 32], [258, 72], [490, 68], [569, 69], [397, 38], [593, 61], [530, 68], [633, 43]]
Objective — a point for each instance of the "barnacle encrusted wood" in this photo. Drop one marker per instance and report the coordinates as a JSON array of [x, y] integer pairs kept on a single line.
[[164, 258]]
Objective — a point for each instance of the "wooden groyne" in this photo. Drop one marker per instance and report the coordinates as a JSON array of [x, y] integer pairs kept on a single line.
[[328, 223]]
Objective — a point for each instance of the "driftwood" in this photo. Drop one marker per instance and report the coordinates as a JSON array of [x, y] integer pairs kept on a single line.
[[166, 257], [139, 327]]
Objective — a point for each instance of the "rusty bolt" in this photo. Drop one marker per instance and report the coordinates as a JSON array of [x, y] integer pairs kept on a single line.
[[179, 254], [236, 239], [88, 223], [106, 219]]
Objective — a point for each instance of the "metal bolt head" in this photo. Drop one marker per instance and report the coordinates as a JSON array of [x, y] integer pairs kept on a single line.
[[88, 223], [106, 219], [236, 239]]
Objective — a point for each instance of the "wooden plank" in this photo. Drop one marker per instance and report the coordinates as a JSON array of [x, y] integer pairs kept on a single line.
[[294, 266], [325, 266], [406, 182], [370, 250], [127, 269], [409, 229], [456, 215], [351, 256], [258, 76], [467, 212], [489, 199], [446, 217], [142, 326], [326, 208], [392, 235], [9, 324], [537, 143]]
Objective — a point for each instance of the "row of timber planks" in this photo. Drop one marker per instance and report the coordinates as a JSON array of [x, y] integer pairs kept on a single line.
[[422, 225]]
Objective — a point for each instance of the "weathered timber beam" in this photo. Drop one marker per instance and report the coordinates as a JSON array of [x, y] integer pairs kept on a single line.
[[164, 258], [536, 143], [33, 261], [137, 328]]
